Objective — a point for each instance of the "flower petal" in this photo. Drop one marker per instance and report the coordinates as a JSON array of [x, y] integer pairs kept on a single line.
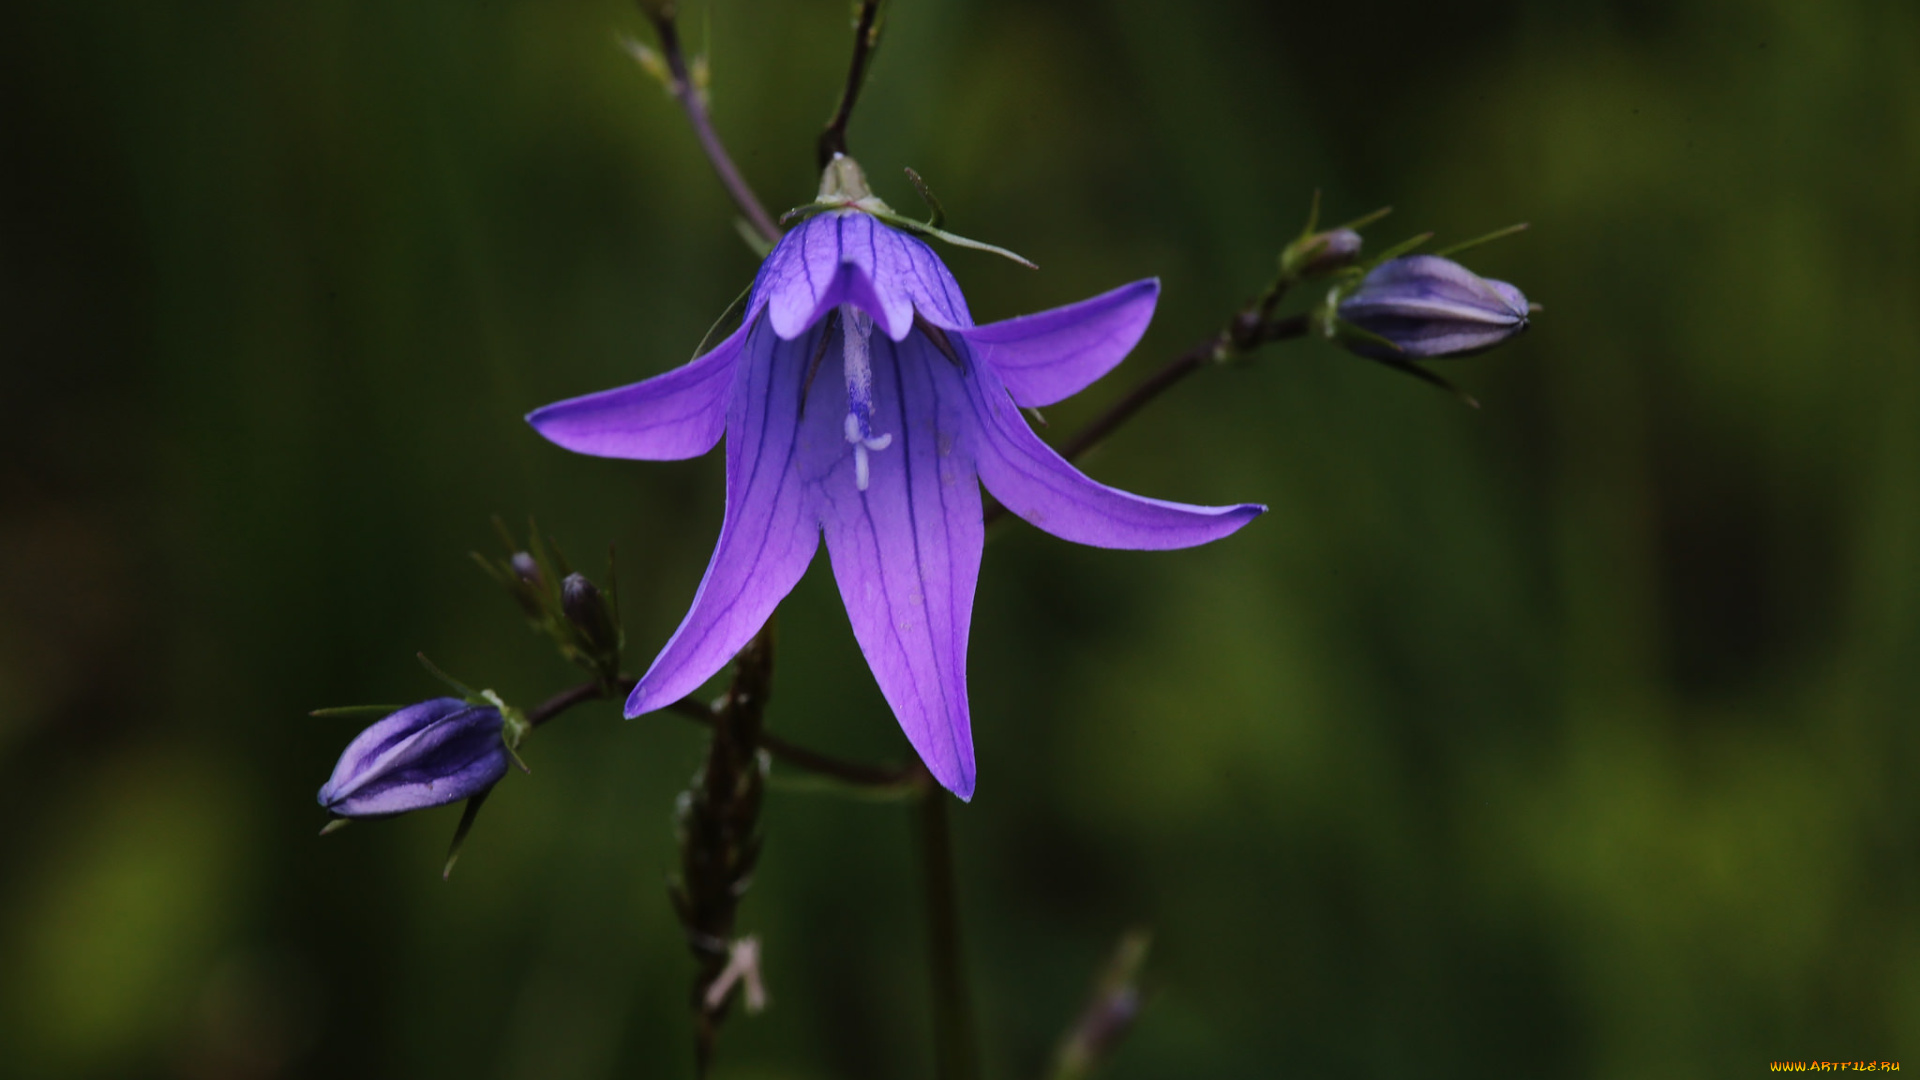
[[1052, 355], [769, 534], [1433, 307], [1039, 485], [906, 551], [680, 414], [453, 756], [845, 257], [383, 735]]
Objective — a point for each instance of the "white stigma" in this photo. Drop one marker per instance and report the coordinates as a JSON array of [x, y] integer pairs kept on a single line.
[[856, 326]]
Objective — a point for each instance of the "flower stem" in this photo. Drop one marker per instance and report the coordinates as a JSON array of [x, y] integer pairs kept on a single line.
[[718, 822], [865, 35], [859, 774], [689, 98], [956, 1051], [1248, 331], [1239, 337]]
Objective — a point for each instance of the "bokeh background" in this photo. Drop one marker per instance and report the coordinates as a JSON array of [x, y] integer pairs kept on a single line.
[[1571, 737]]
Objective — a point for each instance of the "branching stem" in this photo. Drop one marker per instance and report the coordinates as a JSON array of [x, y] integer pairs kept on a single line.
[[1248, 331], [688, 96]]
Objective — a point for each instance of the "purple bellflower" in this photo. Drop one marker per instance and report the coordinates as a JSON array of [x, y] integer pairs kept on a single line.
[[859, 399], [436, 752], [1429, 307]]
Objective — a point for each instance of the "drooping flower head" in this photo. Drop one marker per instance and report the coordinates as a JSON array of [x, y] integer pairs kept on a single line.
[[1429, 306], [429, 754], [860, 400]]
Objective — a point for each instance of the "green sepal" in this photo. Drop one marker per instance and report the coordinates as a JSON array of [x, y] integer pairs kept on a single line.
[[514, 727], [1497, 234], [1365, 220], [1428, 376], [921, 228], [939, 212], [1400, 248], [1342, 332], [466, 692], [335, 825], [807, 210], [351, 711], [701, 348], [460, 832]]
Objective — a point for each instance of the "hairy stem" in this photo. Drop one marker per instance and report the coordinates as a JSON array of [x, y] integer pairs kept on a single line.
[[689, 98], [719, 825]]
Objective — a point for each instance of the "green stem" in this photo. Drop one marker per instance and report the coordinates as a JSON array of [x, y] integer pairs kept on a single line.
[[956, 1051]]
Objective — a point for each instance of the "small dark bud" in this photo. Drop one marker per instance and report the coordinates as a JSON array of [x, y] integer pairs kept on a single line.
[[1424, 306], [589, 613], [429, 754], [527, 568], [1320, 254]]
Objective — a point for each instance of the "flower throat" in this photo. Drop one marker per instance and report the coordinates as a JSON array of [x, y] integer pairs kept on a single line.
[[856, 328]]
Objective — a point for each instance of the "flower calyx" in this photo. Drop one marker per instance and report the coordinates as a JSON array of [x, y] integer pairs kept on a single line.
[[844, 188]]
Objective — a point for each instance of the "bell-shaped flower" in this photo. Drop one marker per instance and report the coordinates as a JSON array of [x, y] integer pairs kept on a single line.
[[1428, 306], [424, 755], [859, 399]]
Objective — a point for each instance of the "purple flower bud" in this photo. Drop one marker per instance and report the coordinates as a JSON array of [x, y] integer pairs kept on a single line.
[[524, 565], [1319, 254], [424, 755], [587, 610], [1430, 306]]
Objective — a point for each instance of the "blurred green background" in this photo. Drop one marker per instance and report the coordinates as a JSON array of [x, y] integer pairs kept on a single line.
[[1573, 737]]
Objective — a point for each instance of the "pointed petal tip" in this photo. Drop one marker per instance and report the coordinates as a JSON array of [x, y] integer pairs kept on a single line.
[[637, 705], [1243, 515], [957, 778]]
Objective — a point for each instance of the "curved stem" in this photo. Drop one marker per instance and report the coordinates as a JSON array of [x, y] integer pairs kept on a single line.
[[689, 98], [1247, 332]]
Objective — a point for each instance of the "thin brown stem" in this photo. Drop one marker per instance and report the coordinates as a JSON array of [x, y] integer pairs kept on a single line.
[[813, 761], [567, 699], [834, 139], [688, 96], [1247, 332], [856, 773]]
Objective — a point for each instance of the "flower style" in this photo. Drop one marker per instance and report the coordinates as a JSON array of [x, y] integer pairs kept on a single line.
[[859, 399], [428, 754], [1430, 306]]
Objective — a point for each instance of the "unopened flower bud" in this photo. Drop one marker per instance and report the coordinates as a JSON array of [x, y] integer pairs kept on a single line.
[[435, 752], [1429, 306], [1319, 254], [527, 568], [587, 610]]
